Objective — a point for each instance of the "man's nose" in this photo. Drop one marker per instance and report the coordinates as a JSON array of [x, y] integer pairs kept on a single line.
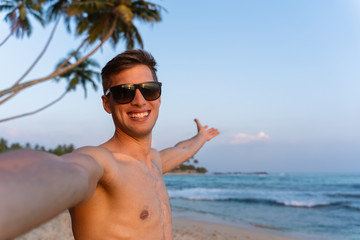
[[138, 99]]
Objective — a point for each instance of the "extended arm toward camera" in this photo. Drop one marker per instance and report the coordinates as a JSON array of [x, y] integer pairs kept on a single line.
[[36, 186]]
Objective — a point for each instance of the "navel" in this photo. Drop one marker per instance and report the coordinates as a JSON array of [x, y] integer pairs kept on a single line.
[[144, 214]]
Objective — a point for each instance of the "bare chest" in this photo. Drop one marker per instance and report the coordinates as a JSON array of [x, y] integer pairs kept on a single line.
[[141, 188], [137, 201]]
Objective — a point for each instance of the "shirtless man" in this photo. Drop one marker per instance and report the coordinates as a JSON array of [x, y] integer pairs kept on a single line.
[[115, 190]]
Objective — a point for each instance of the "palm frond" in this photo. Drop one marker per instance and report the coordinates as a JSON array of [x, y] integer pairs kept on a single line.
[[125, 13], [83, 74]]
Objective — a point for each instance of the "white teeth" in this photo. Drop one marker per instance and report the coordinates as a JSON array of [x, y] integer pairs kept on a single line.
[[139, 115]]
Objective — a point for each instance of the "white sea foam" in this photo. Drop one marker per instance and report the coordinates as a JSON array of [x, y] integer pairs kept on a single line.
[[305, 204]]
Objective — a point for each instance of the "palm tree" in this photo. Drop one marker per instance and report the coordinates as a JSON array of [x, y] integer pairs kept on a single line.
[[97, 21], [54, 10], [113, 19], [81, 74], [19, 16], [3, 145]]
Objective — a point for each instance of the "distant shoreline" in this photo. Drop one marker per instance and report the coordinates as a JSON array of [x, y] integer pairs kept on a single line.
[[241, 173], [216, 173], [186, 173]]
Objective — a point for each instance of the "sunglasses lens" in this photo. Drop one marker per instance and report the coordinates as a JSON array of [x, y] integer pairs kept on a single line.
[[151, 91], [123, 93]]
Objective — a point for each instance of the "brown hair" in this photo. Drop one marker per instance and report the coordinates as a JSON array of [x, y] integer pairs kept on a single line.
[[126, 60]]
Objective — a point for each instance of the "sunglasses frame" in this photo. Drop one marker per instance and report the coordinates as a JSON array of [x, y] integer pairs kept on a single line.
[[137, 86]]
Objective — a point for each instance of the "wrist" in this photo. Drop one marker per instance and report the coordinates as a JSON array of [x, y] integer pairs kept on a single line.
[[202, 136]]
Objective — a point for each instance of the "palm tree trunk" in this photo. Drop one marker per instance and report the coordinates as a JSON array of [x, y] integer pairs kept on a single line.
[[11, 33], [7, 98], [73, 54], [8, 36], [22, 86], [36, 111], [41, 53]]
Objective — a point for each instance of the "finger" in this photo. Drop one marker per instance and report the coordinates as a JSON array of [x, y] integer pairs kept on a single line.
[[214, 131]]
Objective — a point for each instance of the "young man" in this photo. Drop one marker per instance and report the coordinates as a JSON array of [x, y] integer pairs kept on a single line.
[[115, 190]]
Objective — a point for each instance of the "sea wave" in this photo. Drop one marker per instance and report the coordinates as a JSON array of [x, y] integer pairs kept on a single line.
[[356, 186], [299, 204], [344, 195], [353, 208], [294, 204], [285, 199]]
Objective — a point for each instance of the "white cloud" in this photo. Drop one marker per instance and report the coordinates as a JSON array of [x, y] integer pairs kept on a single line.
[[243, 138]]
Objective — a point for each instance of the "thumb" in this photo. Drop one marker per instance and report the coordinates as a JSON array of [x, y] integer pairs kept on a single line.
[[198, 125]]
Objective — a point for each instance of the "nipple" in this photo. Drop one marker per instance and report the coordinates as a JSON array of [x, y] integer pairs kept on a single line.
[[144, 214]]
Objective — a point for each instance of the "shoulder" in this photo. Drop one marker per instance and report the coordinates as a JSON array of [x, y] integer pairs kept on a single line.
[[94, 151], [103, 156], [156, 158], [155, 154]]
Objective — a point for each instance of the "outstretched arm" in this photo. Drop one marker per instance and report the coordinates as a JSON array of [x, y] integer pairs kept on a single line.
[[36, 186], [182, 151]]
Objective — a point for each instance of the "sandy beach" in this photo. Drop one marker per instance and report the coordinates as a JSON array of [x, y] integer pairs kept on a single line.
[[183, 229]]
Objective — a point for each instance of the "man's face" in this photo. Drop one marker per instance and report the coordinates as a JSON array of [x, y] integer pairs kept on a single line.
[[138, 117]]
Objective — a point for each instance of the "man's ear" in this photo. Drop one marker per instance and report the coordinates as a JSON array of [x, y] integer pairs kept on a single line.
[[160, 100], [106, 103]]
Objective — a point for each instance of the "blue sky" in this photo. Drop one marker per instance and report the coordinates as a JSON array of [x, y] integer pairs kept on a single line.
[[280, 79]]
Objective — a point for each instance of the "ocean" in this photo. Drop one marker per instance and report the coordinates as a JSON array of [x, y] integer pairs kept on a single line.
[[307, 206]]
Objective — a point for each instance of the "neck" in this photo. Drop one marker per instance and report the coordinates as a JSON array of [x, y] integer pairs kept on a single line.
[[136, 147]]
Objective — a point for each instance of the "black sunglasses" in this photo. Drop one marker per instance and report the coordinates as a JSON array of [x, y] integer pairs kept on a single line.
[[125, 93]]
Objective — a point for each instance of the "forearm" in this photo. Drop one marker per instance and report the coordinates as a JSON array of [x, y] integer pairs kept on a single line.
[[173, 157], [191, 146], [181, 152], [36, 186]]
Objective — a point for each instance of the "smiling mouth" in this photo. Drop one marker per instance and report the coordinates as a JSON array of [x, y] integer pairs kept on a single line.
[[139, 115]]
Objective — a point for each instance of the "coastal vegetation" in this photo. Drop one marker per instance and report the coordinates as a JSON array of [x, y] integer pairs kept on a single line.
[[59, 150], [93, 22], [189, 167]]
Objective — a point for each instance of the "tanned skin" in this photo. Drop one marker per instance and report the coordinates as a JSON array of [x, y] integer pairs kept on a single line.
[[123, 194]]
